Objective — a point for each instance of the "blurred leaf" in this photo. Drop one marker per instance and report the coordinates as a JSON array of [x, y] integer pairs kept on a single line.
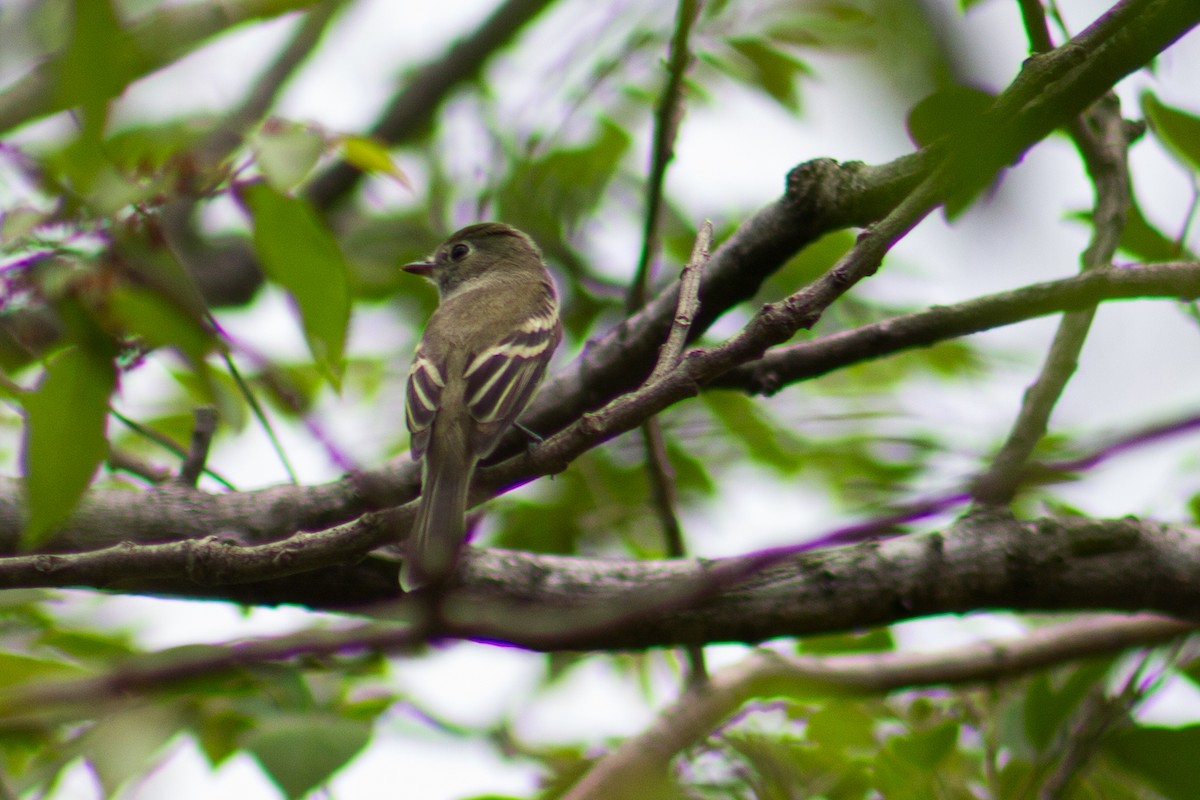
[[926, 749], [1178, 130], [87, 645], [946, 112], [160, 323], [114, 55], [598, 495], [286, 152], [764, 440], [19, 222], [65, 436], [212, 387], [843, 725], [1164, 758], [872, 641], [300, 254], [124, 745], [775, 768], [220, 732], [96, 65], [1052, 699], [544, 195], [377, 244], [806, 266], [302, 751], [372, 156], [768, 69], [692, 475], [145, 148], [1140, 239], [20, 668]]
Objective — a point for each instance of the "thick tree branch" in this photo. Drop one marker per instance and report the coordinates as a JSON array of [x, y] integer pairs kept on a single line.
[[559, 603]]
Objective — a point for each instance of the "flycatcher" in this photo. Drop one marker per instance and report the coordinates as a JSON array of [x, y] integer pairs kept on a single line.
[[483, 354]]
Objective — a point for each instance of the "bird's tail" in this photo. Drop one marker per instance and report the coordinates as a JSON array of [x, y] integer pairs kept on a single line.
[[440, 527]]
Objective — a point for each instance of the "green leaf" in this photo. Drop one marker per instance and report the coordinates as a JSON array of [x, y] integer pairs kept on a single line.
[[372, 156], [751, 426], [286, 152], [544, 195], [1178, 130], [946, 112], [96, 64], [807, 265], [19, 668], [872, 641], [300, 254], [125, 745], [301, 752], [926, 749], [1141, 239], [65, 436], [769, 69], [1052, 699], [160, 322], [842, 725], [1164, 758]]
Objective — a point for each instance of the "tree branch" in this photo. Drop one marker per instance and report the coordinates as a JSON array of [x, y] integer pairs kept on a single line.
[[643, 760], [783, 366], [171, 512], [1103, 141], [556, 603], [823, 196]]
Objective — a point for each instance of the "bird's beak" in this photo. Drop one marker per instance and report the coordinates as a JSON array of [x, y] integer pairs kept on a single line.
[[422, 268]]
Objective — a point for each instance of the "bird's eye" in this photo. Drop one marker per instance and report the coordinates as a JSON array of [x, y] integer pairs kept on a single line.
[[459, 252]]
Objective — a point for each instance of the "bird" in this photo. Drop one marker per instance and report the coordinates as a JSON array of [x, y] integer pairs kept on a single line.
[[481, 357]]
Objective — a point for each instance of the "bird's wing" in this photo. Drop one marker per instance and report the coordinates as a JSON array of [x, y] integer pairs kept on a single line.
[[422, 398], [501, 379]]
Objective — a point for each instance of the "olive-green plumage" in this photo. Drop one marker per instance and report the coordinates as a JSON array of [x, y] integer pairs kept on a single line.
[[483, 353]]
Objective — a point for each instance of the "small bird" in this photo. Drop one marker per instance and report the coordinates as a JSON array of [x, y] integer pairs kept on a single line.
[[482, 356]]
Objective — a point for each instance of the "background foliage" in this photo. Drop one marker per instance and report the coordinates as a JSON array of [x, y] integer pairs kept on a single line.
[[173, 240]]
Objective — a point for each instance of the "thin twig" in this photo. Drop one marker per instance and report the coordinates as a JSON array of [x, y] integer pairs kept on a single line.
[[202, 436], [660, 474], [122, 461], [688, 305], [154, 671], [259, 414], [1124, 443], [662, 491], [784, 366], [667, 117], [165, 442], [1103, 142]]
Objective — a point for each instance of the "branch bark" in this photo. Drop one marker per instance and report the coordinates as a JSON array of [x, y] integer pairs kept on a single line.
[[556, 603]]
